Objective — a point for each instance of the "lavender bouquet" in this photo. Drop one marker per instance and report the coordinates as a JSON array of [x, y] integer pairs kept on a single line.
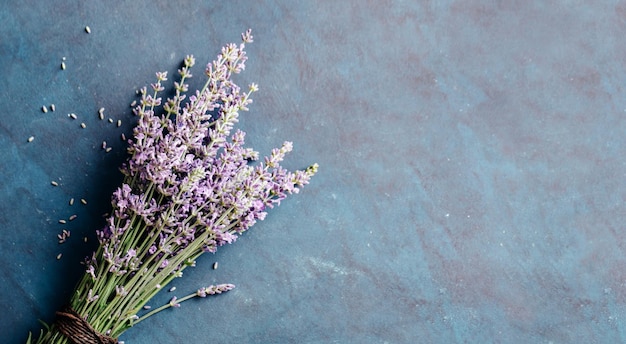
[[189, 188]]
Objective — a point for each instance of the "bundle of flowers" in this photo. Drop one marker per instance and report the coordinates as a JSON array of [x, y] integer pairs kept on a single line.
[[190, 186]]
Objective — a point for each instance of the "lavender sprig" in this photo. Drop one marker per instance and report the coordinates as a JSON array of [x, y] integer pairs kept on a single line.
[[175, 302], [189, 188]]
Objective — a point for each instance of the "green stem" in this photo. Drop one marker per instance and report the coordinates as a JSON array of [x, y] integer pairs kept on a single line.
[[164, 307]]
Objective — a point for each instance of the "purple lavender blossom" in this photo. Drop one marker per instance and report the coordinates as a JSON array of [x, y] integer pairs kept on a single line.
[[214, 289], [192, 171]]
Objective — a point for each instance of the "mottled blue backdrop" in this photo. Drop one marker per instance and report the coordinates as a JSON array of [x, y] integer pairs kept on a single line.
[[472, 175]]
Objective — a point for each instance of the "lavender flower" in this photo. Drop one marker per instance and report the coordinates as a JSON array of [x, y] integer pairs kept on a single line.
[[214, 289], [189, 188]]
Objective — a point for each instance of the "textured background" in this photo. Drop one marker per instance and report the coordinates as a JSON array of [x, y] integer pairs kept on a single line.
[[471, 186]]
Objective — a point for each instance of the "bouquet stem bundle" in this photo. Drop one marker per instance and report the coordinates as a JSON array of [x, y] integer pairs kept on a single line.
[[189, 188]]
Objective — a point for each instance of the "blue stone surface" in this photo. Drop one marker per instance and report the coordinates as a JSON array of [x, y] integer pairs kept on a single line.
[[472, 177]]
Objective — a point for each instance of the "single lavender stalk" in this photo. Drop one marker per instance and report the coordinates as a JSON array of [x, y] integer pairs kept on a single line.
[[189, 188]]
